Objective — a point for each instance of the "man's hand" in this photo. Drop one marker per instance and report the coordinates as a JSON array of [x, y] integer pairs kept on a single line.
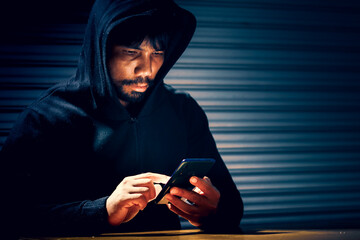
[[132, 195], [205, 198]]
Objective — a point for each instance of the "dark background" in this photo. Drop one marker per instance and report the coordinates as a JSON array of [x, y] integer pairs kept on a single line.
[[279, 81]]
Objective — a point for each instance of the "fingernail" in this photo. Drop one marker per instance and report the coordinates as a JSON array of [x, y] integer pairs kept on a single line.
[[193, 179], [174, 191]]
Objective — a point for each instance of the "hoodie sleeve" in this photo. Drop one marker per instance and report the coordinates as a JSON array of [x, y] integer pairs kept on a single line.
[[202, 145], [27, 205]]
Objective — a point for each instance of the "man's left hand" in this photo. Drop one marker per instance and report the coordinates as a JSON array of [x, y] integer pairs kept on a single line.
[[205, 198]]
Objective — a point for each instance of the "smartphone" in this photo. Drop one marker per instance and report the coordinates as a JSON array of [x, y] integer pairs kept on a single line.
[[189, 167]]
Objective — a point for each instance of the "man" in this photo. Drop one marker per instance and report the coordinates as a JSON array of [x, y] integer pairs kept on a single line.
[[87, 156]]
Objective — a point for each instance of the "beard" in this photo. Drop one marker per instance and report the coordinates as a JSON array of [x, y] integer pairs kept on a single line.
[[133, 96]]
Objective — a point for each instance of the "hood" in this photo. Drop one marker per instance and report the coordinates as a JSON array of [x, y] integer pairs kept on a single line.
[[104, 16]]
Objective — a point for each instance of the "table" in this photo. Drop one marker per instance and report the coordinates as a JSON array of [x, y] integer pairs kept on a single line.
[[193, 234]]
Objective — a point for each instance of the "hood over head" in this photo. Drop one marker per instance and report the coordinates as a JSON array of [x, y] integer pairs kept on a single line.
[[104, 17]]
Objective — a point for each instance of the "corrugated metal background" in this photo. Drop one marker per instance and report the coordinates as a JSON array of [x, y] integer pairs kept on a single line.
[[279, 81]]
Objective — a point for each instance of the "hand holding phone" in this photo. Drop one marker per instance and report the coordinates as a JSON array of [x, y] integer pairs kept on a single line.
[[180, 178]]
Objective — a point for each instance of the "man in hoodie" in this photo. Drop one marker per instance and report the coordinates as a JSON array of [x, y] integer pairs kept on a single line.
[[85, 158]]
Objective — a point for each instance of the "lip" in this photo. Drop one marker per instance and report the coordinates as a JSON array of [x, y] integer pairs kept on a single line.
[[141, 87]]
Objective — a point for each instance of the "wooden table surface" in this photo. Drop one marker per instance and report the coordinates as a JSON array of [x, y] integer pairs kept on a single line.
[[198, 235]]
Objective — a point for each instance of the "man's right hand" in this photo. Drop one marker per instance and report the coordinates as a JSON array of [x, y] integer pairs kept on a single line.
[[131, 196]]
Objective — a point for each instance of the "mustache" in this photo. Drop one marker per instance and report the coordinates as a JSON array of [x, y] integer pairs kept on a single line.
[[136, 81]]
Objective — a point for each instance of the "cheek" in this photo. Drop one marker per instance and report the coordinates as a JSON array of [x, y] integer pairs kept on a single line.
[[119, 70]]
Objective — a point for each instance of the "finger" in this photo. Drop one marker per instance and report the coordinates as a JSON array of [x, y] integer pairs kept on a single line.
[[137, 199], [207, 179], [150, 192], [205, 186], [197, 190], [184, 207], [156, 177], [138, 189], [189, 195], [145, 182], [192, 218], [141, 181], [158, 189]]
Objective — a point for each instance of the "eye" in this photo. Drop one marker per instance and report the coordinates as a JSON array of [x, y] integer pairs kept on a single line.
[[130, 52], [158, 53]]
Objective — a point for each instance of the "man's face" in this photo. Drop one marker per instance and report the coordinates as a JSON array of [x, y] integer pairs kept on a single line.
[[133, 70]]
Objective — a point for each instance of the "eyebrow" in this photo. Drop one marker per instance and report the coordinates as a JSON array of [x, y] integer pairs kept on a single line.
[[136, 45], [139, 48], [132, 47]]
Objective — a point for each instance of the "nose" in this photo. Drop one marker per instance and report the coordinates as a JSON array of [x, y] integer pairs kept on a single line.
[[144, 67]]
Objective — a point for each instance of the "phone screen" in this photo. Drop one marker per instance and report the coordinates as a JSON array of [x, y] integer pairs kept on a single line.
[[180, 178]]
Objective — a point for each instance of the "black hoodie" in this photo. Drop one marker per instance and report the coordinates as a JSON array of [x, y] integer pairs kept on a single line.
[[70, 149]]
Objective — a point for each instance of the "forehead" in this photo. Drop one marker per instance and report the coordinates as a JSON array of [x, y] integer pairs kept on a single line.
[[144, 43]]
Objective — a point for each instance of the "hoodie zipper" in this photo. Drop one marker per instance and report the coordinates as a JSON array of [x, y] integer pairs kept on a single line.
[[134, 122]]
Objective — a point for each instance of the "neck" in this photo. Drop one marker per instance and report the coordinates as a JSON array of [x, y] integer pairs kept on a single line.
[[132, 108]]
